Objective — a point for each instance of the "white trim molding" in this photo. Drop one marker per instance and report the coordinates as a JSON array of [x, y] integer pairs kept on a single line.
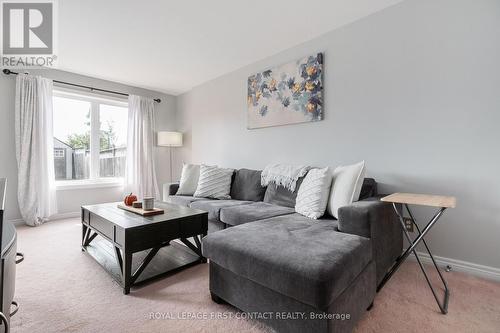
[[62, 216], [486, 272], [16, 221], [63, 185]]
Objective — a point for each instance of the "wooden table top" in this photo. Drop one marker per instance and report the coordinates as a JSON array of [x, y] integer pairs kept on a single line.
[[126, 219], [422, 199]]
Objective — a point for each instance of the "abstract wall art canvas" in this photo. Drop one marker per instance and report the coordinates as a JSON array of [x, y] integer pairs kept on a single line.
[[288, 94]]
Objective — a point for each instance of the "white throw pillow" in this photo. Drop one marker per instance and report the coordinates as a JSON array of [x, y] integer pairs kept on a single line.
[[189, 179], [312, 196], [214, 182], [346, 186]]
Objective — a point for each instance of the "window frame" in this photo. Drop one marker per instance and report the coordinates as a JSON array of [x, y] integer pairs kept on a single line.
[[94, 181], [60, 150]]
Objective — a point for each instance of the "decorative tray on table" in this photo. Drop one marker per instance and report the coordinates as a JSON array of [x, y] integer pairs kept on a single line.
[[140, 211]]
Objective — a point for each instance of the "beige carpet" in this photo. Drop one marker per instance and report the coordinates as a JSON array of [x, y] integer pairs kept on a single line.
[[61, 289]]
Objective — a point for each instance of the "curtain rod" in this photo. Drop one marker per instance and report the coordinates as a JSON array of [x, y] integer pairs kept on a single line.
[[8, 72]]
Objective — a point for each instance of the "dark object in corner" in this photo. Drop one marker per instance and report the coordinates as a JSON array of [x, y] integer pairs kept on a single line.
[[8, 263], [369, 189]]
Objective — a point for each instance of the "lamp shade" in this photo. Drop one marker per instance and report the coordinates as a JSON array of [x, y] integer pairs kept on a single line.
[[170, 139]]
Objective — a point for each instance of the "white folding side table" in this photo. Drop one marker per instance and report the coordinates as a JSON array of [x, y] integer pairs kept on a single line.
[[442, 203]]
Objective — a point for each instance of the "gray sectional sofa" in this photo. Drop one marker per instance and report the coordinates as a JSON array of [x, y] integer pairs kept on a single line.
[[295, 273]]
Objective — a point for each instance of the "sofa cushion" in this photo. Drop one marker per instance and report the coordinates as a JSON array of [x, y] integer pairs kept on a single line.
[[213, 207], [246, 185], [279, 195], [252, 212], [305, 259], [183, 200]]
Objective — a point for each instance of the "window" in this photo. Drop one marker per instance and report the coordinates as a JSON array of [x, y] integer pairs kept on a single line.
[[90, 137], [72, 131], [113, 140]]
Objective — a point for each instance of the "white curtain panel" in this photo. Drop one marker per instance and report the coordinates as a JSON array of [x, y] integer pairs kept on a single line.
[[35, 149], [140, 176]]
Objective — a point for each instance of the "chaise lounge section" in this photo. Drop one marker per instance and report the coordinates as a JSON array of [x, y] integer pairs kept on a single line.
[[308, 275]]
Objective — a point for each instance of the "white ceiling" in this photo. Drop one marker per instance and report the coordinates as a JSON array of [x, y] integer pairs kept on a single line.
[[173, 46]]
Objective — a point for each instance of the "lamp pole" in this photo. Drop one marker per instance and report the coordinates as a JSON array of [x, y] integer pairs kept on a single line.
[[170, 151], [170, 140]]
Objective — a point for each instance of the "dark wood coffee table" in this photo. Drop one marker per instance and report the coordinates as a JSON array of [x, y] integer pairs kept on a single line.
[[124, 242]]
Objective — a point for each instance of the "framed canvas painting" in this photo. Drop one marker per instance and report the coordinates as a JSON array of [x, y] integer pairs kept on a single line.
[[288, 94]]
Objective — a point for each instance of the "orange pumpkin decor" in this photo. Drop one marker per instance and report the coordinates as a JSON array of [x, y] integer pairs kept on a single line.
[[129, 199]]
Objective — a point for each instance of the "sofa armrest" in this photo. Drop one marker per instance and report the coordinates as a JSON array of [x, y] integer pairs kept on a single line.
[[169, 189], [377, 220], [359, 217]]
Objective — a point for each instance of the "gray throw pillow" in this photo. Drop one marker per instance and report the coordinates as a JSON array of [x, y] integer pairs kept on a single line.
[[278, 195], [246, 185]]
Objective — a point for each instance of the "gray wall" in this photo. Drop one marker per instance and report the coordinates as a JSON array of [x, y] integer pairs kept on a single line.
[[414, 90], [69, 201]]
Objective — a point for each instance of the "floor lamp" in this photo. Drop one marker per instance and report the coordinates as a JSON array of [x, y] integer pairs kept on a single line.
[[170, 139]]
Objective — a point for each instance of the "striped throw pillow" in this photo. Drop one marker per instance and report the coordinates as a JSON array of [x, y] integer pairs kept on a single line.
[[312, 196], [214, 182]]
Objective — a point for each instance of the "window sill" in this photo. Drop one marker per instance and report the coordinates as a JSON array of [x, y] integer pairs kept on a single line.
[[63, 185]]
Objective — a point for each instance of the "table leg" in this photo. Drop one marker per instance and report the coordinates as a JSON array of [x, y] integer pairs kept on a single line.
[[127, 271], [196, 248], [90, 238], [204, 259], [442, 306], [84, 233], [413, 244]]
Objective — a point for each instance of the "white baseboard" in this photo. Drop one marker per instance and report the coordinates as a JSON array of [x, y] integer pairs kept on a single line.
[[56, 217], [16, 221], [486, 272], [63, 216]]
